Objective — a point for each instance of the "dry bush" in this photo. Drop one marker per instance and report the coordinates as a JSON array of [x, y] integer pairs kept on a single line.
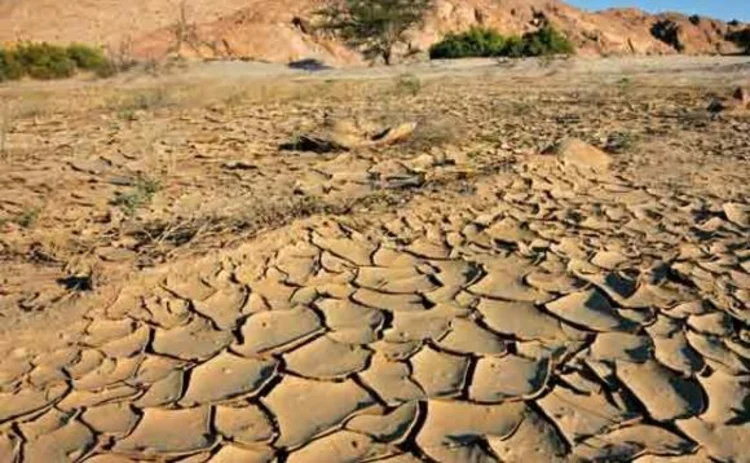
[[121, 57], [146, 99], [408, 84]]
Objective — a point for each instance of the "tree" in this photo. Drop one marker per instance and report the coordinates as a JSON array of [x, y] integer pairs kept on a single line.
[[741, 38], [373, 26]]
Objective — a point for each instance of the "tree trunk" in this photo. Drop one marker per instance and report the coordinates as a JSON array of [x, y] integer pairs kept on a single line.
[[387, 55]]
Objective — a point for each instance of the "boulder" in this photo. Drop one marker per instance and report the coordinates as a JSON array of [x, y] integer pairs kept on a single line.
[[738, 102], [742, 96], [345, 135], [572, 151]]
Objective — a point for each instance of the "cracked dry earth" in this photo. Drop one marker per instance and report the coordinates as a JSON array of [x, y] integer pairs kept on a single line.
[[550, 312], [493, 327]]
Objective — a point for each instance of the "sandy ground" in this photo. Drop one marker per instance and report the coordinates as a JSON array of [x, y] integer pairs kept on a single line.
[[239, 262]]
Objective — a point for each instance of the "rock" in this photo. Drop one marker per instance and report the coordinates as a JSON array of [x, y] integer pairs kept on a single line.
[[310, 65], [345, 135], [741, 95], [395, 134], [739, 214], [313, 144], [737, 102], [238, 165], [573, 151], [90, 166]]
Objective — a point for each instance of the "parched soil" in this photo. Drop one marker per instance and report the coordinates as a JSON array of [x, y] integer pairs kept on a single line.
[[234, 267]]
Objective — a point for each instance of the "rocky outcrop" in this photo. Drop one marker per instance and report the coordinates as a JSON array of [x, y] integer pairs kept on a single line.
[[284, 30]]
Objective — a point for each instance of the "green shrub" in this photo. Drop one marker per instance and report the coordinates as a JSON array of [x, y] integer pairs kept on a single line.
[[46, 61], [10, 68], [515, 47], [87, 58], [28, 218], [143, 191], [483, 42], [547, 41], [476, 42]]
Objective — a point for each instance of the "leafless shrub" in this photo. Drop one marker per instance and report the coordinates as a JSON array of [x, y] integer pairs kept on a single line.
[[184, 30], [121, 57]]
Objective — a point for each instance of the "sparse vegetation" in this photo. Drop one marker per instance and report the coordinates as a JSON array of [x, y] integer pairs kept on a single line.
[[625, 81], [184, 30], [373, 26], [10, 67], [143, 191], [127, 115], [45, 61], [87, 58], [546, 41], [408, 84], [620, 142], [484, 42], [119, 59], [28, 218], [141, 101]]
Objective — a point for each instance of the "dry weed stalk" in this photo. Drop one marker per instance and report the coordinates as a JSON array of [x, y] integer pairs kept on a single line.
[[121, 57], [185, 31], [5, 117]]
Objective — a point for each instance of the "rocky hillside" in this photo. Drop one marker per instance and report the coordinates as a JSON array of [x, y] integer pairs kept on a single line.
[[282, 30]]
